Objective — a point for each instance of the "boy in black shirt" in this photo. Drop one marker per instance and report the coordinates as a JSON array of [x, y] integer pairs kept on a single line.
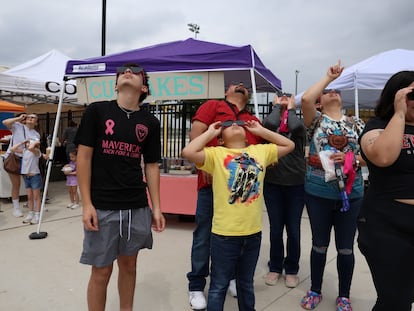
[[112, 138]]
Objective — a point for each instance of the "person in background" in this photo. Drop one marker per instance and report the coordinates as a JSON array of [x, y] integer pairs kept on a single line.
[[284, 192], [113, 138], [30, 149], [71, 180], [232, 108], [333, 186], [386, 231], [23, 127], [238, 171], [68, 138]]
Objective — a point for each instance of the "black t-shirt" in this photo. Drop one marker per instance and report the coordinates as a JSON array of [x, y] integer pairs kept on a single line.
[[120, 143], [396, 180]]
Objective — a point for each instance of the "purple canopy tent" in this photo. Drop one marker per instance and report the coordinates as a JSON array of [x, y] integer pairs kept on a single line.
[[187, 55], [239, 64]]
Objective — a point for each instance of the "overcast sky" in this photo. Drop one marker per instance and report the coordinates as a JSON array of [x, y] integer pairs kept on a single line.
[[287, 35]]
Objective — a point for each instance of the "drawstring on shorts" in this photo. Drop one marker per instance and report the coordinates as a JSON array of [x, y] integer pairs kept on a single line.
[[129, 224]]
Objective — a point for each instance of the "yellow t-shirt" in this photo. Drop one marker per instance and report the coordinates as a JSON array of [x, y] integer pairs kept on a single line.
[[238, 176]]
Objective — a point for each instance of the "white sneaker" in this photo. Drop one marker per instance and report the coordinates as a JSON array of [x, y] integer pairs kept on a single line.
[[70, 205], [75, 206], [232, 288], [35, 219], [29, 217], [17, 212], [197, 300]]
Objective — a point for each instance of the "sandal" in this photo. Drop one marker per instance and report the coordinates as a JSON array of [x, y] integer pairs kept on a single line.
[[271, 278], [343, 304], [311, 300], [291, 280]]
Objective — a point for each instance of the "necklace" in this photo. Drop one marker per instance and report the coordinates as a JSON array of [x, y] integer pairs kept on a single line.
[[128, 112]]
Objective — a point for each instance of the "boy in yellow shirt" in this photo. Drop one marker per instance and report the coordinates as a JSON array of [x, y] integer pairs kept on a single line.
[[238, 171]]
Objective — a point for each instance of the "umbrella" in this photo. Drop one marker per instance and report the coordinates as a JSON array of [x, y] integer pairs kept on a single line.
[[9, 107]]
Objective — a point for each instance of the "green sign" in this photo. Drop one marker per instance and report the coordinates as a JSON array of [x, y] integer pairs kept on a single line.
[[163, 86]]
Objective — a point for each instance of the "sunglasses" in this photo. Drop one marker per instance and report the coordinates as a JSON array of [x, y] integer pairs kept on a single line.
[[231, 122], [410, 96], [237, 83], [285, 94], [326, 91], [134, 70]]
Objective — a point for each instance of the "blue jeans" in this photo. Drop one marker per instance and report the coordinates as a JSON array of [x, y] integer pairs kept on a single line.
[[229, 254], [284, 206], [200, 251], [323, 215], [32, 182]]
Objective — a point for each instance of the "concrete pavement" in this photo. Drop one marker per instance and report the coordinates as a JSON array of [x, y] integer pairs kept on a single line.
[[46, 274]]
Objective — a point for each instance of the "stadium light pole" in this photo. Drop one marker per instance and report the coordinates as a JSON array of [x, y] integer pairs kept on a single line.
[[103, 40], [194, 28], [296, 81]]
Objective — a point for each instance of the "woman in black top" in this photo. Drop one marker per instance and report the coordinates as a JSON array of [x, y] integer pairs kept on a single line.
[[386, 231]]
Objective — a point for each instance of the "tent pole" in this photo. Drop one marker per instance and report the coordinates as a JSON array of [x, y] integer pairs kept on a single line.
[[254, 94], [356, 102], [38, 234]]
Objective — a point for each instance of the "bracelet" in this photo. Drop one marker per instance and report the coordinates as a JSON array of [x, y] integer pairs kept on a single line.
[[357, 165]]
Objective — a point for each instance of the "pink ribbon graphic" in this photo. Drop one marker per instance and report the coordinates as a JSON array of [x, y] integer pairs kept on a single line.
[[109, 127]]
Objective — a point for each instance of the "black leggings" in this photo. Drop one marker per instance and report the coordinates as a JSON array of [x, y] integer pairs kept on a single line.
[[386, 239]]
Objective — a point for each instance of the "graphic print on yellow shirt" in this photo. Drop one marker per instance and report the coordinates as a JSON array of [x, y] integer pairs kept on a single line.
[[243, 183], [238, 176]]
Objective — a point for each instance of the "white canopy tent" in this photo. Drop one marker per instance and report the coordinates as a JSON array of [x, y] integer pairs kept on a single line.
[[38, 81], [362, 83]]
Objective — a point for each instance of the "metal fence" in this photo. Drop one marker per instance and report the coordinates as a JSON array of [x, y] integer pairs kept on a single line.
[[175, 119], [175, 122]]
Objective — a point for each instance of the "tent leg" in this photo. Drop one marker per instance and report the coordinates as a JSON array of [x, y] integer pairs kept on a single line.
[[254, 93], [38, 234], [356, 102]]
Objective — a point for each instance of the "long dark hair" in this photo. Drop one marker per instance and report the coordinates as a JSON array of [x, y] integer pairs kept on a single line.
[[385, 106]]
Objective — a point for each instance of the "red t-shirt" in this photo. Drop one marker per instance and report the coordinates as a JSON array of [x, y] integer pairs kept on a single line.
[[220, 110]]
